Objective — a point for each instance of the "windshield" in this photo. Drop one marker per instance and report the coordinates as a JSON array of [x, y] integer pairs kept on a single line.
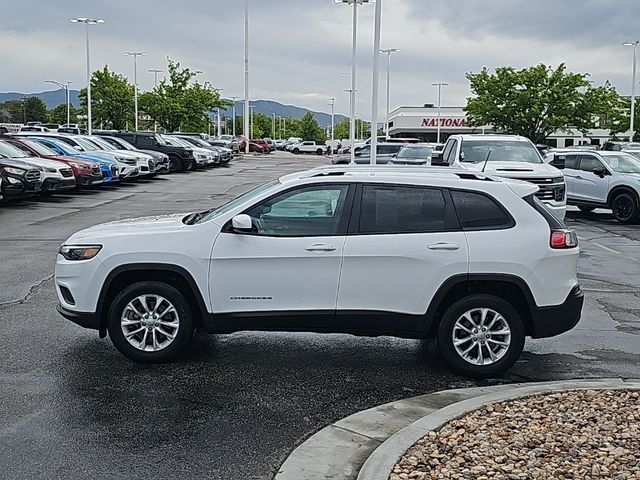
[[86, 144], [9, 151], [622, 163], [415, 152], [501, 151], [176, 142], [39, 148], [197, 141], [104, 145], [215, 212]]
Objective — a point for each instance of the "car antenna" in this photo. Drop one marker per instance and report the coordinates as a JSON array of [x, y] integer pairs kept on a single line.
[[486, 161]]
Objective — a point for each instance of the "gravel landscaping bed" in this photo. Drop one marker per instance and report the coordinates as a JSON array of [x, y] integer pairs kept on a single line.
[[580, 434]]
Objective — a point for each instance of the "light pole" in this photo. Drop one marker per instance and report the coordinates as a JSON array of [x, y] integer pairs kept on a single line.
[[633, 87], [273, 128], [135, 56], [66, 87], [388, 51], [233, 112], [251, 107], [332, 102], [155, 72], [246, 73], [439, 85], [352, 124], [87, 22], [373, 129]]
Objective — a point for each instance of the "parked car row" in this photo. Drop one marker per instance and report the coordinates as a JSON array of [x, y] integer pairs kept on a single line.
[[34, 162]]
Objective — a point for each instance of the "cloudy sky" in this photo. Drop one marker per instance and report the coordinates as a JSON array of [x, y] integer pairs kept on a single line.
[[300, 50]]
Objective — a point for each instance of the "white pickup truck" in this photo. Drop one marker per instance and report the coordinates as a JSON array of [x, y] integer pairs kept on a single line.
[[307, 147]]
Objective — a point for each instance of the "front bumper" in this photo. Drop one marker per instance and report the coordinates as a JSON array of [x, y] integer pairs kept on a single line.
[[84, 319], [16, 187], [86, 179], [552, 321], [58, 185]]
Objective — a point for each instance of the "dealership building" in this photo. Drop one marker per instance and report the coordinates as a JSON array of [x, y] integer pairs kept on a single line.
[[422, 123]]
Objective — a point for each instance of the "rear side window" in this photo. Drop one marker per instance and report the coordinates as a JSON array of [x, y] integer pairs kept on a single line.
[[388, 209], [478, 211]]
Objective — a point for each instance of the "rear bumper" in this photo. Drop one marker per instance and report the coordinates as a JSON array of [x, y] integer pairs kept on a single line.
[[84, 319], [552, 321]]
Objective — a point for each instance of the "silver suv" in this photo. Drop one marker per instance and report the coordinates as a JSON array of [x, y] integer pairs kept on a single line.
[[603, 179]]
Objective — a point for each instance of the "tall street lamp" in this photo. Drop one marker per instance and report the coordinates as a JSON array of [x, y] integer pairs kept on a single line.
[[66, 87], [633, 86], [388, 51], [135, 56], [352, 123], [87, 22], [332, 102], [233, 121], [439, 85], [246, 74], [376, 83], [155, 72], [273, 127]]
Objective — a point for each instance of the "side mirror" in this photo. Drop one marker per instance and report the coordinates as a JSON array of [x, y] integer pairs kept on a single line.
[[242, 223], [77, 147], [601, 172]]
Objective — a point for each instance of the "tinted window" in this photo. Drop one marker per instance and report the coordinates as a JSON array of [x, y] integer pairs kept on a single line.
[[480, 212], [589, 163], [308, 211], [451, 156], [145, 141], [389, 149], [571, 162], [401, 209]]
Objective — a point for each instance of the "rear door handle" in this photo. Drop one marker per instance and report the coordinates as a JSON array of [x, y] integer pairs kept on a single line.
[[320, 247], [579, 176], [443, 246]]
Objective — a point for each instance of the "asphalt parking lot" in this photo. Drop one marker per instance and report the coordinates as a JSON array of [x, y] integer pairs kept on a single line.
[[71, 406]]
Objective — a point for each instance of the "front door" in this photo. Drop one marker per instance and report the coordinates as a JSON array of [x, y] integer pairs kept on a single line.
[[290, 262], [589, 186]]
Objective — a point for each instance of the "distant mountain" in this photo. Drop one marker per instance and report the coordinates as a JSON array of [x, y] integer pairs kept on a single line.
[[267, 107], [51, 98]]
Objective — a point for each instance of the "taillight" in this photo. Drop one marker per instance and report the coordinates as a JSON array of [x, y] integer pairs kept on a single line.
[[563, 239]]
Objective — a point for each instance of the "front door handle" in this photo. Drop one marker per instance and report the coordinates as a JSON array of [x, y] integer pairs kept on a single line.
[[580, 177], [443, 246], [320, 247]]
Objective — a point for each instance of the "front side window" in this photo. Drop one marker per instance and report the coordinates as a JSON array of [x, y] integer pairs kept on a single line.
[[589, 163], [309, 211], [388, 209], [477, 211]]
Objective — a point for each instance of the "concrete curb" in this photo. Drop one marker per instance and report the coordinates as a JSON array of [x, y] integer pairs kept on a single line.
[[367, 444], [380, 464]]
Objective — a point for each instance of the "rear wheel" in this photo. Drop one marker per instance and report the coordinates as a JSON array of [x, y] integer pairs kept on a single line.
[[175, 165], [150, 322], [319, 151], [625, 207], [296, 151], [481, 335]]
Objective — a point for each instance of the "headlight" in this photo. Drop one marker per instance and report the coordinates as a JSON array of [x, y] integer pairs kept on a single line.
[[13, 171], [79, 252]]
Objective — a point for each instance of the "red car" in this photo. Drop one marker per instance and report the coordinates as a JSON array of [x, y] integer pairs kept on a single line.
[[264, 145], [86, 173], [256, 146]]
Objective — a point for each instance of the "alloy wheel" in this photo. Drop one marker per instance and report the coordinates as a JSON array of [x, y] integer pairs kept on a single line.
[[623, 207], [150, 323], [481, 336]]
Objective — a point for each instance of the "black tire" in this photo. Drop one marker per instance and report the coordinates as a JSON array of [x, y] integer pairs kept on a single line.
[[296, 151], [184, 315], [319, 151], [175, 164], [446, 331], [625, 208], [586, 209]]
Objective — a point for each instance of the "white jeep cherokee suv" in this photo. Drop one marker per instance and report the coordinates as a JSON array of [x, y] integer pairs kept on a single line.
[[509, 156], [474, 261], [603, 179]]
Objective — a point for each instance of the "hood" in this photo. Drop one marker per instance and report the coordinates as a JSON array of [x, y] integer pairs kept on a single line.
[[514, 169], [12, 162], [154, 154], [44, 163], [130, 227]]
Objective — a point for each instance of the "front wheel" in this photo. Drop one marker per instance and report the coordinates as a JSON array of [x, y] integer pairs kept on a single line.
[[319, 151], [150, 322], [175, 165], [625, 208], [481, 335], [296, 151]]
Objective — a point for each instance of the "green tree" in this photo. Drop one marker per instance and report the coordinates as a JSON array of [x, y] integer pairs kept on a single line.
[[341, 130], [12, 111], [619, 121], [35, 110], [59, 114], [177, 103], [537, 101], [111, 99], [310, 130]]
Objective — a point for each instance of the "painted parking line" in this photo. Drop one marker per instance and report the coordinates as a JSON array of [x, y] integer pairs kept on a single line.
[[608, 249]]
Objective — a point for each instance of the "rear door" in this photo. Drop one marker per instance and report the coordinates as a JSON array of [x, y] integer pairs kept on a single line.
[[404, 242]]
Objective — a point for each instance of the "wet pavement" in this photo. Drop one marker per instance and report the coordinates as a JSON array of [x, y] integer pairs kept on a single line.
[[72, 407]]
